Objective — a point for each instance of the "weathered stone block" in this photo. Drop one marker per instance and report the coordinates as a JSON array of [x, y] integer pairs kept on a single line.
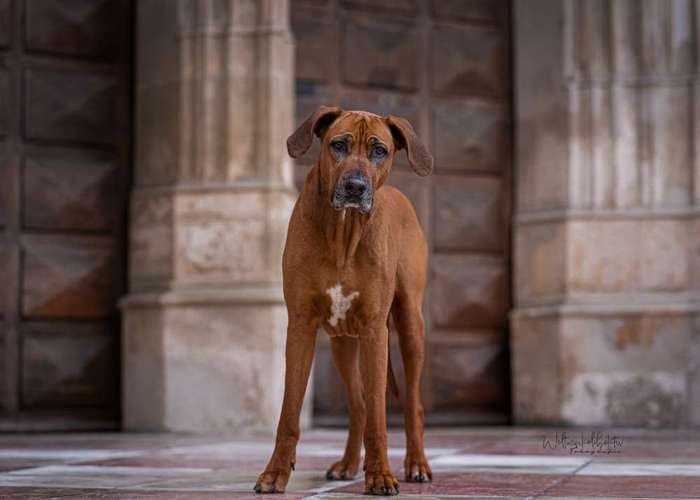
[[599, 369], [380, 53], [540, 263], [625, 371], [535, 369], [468, 60], [143, 369], [470, 135], [151, 240], [628, 255], [469, 214], [219, 237], [234, 350], [468, 291]]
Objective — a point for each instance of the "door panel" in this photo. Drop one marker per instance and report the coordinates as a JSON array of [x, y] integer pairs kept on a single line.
[[62, 193], [68, 365], [64, 134], [82, 28], [69, 107], [444, 65]]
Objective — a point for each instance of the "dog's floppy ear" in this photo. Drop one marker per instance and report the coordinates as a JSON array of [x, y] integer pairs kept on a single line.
[[300, 141], [405, 138]]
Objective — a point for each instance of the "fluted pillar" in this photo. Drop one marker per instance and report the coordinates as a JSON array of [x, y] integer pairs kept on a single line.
[[204, 321], [607, 262]]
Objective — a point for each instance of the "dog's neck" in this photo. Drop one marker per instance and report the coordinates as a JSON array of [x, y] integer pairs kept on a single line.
[[341, 230]]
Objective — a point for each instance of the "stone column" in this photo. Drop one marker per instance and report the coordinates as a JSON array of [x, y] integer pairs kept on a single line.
[[607, 262], [205, 321]]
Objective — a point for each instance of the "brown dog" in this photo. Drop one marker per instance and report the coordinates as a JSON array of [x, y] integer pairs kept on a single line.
[[354, 254]]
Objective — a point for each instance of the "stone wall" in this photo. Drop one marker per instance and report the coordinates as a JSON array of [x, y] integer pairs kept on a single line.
[[607, 237]]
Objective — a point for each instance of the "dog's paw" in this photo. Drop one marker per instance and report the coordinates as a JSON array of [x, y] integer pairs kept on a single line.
[[381, 483], [417, 470], [343, 470], [272, 481]]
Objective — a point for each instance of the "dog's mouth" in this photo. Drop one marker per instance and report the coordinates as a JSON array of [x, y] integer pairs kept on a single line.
[[363, 204], [353, 191]]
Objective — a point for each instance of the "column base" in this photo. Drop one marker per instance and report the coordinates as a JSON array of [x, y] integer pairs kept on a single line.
[[204, 360], [575, 365]]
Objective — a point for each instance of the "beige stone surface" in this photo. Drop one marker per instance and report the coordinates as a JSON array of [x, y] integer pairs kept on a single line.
[[535, 368], [205, 322], [143, 369], [595, 369], [540, 262], [215, 367], [606, 237], [628, 255]]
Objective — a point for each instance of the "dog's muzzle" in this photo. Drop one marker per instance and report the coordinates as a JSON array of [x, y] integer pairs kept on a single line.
[[353, 190]]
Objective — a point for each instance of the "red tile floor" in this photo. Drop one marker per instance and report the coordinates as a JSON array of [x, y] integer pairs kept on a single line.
[[494, 463]]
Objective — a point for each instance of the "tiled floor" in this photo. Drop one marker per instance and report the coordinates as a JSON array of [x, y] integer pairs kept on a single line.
[[494, 463]]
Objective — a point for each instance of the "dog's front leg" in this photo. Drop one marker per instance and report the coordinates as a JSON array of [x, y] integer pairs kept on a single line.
[[299, 353], [373, 367]]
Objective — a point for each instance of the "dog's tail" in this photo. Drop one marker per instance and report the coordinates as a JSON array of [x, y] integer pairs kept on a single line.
[[390, 379]]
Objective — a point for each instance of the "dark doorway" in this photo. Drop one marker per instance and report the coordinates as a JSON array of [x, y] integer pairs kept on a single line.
[[64, 146]]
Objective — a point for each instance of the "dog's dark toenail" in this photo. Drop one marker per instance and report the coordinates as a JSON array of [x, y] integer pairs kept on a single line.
[[344, 475], [384, 490], [421, 477], [329, 475], [257, 489]]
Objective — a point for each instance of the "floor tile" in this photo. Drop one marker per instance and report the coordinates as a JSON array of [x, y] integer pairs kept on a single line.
[[485, 484], [525, 464], [468, 463], [640, 469], [658, 487]]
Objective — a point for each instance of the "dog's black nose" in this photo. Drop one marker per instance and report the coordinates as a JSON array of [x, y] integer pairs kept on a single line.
[[355, 186]]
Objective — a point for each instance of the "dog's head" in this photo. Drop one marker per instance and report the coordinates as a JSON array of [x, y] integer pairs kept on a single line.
[[357, 152]]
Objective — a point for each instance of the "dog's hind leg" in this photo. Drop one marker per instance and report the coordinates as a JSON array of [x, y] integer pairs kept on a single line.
[[408, 319], [345, 352]]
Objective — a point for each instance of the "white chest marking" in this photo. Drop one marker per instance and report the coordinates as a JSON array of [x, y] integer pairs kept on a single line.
[[339, 303]]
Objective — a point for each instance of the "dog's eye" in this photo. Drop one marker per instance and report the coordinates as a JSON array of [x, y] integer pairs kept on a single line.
[[379, 151], [338, 146]]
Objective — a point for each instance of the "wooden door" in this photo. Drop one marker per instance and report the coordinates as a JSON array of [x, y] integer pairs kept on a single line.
[[444, 65], [64, 157]]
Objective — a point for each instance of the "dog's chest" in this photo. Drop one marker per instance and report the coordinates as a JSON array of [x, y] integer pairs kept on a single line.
[[340, 310]]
